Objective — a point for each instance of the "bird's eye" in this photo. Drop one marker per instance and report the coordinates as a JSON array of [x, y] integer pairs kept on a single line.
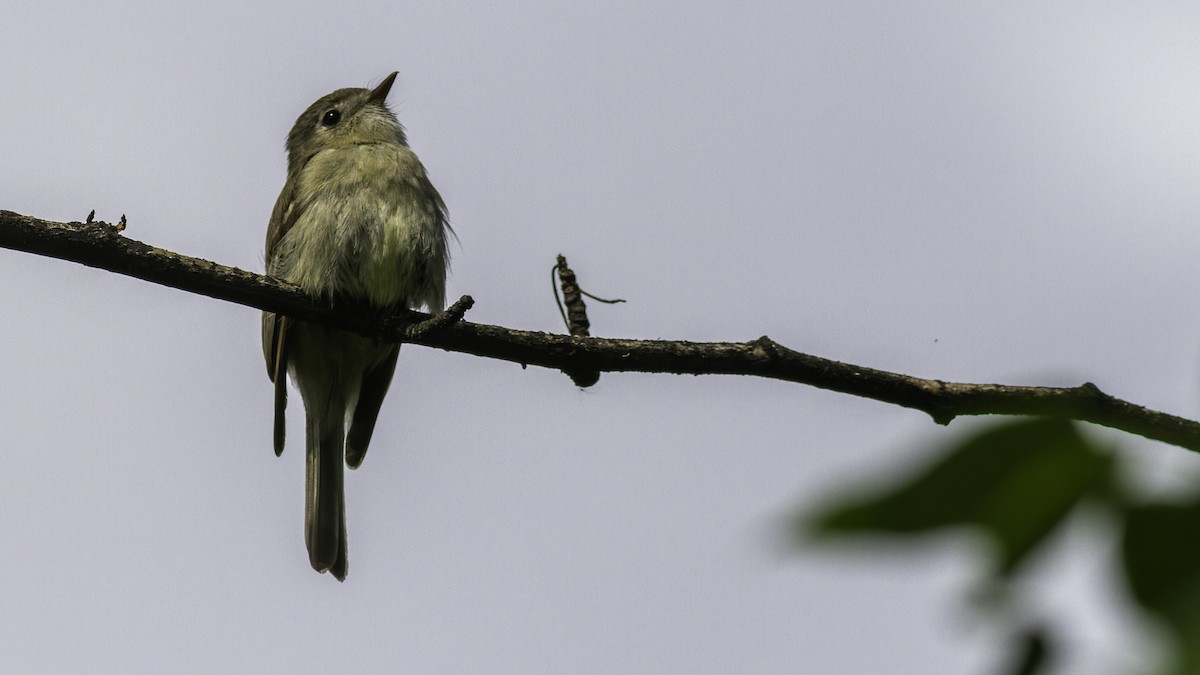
[[331, 117]]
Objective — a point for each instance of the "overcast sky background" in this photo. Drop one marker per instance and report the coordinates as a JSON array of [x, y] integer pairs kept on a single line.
[[1000, 192]]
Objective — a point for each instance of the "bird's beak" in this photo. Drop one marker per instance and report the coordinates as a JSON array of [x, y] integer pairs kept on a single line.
[[379, 94]]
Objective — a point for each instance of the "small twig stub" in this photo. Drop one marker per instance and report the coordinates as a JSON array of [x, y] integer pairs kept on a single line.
[[576, 311], [575, 316]]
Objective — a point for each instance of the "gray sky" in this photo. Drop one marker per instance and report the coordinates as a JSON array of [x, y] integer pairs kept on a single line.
[[999, 192]]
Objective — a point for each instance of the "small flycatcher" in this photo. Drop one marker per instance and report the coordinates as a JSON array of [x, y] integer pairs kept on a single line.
[[358, 220]]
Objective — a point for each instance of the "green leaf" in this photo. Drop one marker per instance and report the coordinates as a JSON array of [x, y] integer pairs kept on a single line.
[[1161, 551], [1014, 482]]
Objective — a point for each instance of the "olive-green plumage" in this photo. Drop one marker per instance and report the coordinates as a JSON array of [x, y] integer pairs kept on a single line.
[[357, 219]]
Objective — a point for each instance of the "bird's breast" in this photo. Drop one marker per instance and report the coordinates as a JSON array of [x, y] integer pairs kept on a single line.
[[369, 227]]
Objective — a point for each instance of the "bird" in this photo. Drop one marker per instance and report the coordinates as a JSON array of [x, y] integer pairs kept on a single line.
[[357, 222]]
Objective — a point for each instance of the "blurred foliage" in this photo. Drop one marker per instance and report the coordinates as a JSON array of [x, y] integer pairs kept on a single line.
[[1014, 484], [1033, 652]]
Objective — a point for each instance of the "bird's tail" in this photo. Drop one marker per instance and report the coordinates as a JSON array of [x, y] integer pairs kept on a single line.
[[325, 504]]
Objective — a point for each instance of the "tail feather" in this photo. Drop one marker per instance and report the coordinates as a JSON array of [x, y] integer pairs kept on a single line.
[[325, 510], [374, 387]]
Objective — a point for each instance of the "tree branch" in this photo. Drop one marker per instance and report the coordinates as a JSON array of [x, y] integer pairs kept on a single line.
[[98, 244]]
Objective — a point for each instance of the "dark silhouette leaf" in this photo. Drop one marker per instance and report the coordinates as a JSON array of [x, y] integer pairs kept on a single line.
[[1161, 551], [1032, 652]]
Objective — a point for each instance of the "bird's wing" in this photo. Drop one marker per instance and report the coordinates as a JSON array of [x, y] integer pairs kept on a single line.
[[274, 326]]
